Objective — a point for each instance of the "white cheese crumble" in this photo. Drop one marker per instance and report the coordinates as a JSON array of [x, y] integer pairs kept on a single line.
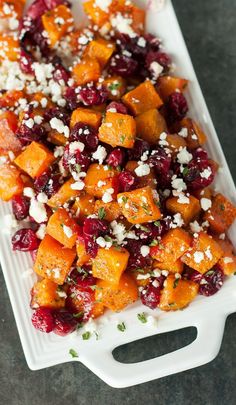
[[156, 69], [103, 243], [178, 221], [195, 227], [178, 184], [183, 132], [143, 276], [28, 192], [59, 126], [183, 199], [208, 253], [100, 154], [143, 169], [42, 197], [184, 156], [67, 231], [119, 231], [205, 204], [123, 25], [78, 185], [198, 257], [41, 232], [107, 196], [145, 250], [103, 4], [58, 151], [206, 173], [74, 146], [38, 211], [228, 260]]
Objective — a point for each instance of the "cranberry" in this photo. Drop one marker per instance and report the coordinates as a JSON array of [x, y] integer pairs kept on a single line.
[[122, 65], [81, 297], [177, 107], [20, 207], [51, 4], [127, 181], [64, 323], [61, 74], [48, 182], [160, 161], [116, 157], [139, 148], [136, 259], [92, 229], [150, 232], [200, 154], [72, 100], [153, 42], [36, 9], [211, 282], [27, 135], [85, 134], [25, 240], [199, 174], [151, 297], [91, 95], [26, 62], [71, 160], [39, 39], [160, 57], [43, 320], [192, 275], [118, 106], [59, 113]]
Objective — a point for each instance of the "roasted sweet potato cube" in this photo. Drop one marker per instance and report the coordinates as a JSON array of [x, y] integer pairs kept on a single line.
[[110, 264], [83, 206], [174, 143], [56, 138], [35, 159], [62, 227], [188, 210], [8, 127], [193, 134], [57, 22], [142, 277], [11, 9], [83, 256], [118, 130], [117, 297], [143, 181], [116, 87], [205, 193], [177, 293], [11, 183], [96, 14], [9, 47], [221, 215], [47, 294], [138, 20], [150, 125], [99, 179], [173, 245], [108, 211], [10, 98], [228, 264], [169, 84], [97, 309], [140, 205], [88, 70], [101, 50], [204, 253], [174, 267], [63, 195], [142, 98], [53, 261], [86, 116]]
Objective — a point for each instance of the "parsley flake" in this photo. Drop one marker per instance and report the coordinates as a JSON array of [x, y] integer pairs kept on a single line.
[[121, 327], [176, 282], [101, 213], [86, 335], [142, 317], [73, 353]]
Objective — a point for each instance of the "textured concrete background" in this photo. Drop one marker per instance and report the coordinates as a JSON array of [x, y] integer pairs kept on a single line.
[[209, 27]]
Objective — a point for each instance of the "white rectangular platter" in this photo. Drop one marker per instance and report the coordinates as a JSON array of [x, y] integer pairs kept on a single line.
[[206, 314]]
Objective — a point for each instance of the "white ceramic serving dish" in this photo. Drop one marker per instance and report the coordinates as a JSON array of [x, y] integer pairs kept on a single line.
[[206, 314]]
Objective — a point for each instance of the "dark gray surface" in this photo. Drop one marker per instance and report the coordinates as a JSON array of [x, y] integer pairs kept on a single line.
[[209, 27]]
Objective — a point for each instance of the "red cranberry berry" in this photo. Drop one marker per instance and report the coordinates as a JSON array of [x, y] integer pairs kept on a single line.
[[139, 148], [151, 296], [36, 9], [126, 181], [27, 135], [91, 95], [116, 157], [153, 42], [43, 320], [85, 134], [64, 323], [192, 275], [48, 182], [118, 107], [20, 207], [199, 174], [80, 295], [60, 74], [211, 282], [72, 99], [122, 65], [71, 160], [136, 259], [92, 229], [177, 107], [160, 57], [25, 240], [160, 161]]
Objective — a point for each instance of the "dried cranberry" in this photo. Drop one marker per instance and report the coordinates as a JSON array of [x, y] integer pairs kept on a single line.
[[192, 275], [59, 113], [199, 174], [71, 160], [64, 323], [160, 57], [80, 296], [25, 240], [61, 74], [71, 97], [20, 207], [48, 182], [122, 65], [177, 107], [91, 95], [136, 259], [116, 157], [51, 4], [211, 282], [27, 135], [39, 39], [151, 297], [118, 106], [153, 42], [160, 161], [139, 148], [85, 134], [94, 227], [36, 9], [149, 232], [26, 62], [43, 320], [126, 181]]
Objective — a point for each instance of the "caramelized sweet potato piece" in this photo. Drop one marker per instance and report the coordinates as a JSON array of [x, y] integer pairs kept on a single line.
[[53, 261], [95, 13], [221, 215], [83, 206], [142, 98], [11, 183], [138, 16], [204, 253], [11, 9], [205, 193], [228, 264], [35, 159], [143, 181], [109, 211], [10, 98], [175, 142], [169, 84], [116, 297], [8, 127], [56, 138], [9, 47], [62, 227], [177, 294], [150, 125], [57, 22], [83, 256], [86, 116], [142, 277], [99, 179], [109, 264], [195, 135], [174, 267], [188, 211], [118, 130], [116, 87], [64, 194], [88, 70], [101, 50], [47, 294], [140, 205]]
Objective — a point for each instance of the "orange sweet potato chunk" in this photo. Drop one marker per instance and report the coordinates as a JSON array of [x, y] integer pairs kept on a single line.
[[83, 206], [150, 125], [188, 211], [169, 84], [99, 179], [174, 143], [62, 227], [177, 294], [82, 256], [101, 50], [116, 87], [10, 98], [8, 127], [53, 261], [11, 183], [57, 23], [95, 13], [14, 8], [35, 159], [174, 267], [109, 264], [118, 130], [47, 294], [195, 135], [9, 47], [116, 297], [86, 116], [108, 211], [88, 70], [221, 215], [140, 205], [204, 253], [63, 195], [173, 245], [228, 264], [143, 181], [142, 98], [56, 138]]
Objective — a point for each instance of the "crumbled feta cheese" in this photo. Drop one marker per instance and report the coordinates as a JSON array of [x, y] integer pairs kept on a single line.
[[74, 146], [107, 196], [183, 132], [29, 123], [123, 25], [103, 243], [103, 4], [156, 283], [41, 232], [119, 231], [61, 294], [184, 156], [143, 276], [206, 173], [195, 227], [78, 185], [42, 197], [101, 183], [143, 169], [208, 253], [100, 154], [145, 250], [165, 273], [38, 119], [58, 151], [228, 260], [222, 236], [156, 69], [205, 204], [59, 126], [198, 257], [67, 231], [38, 211], [183, 199], [28, 192], [177, 276], [178, 221]]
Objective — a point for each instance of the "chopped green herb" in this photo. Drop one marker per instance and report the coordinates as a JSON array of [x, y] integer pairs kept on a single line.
[[154, 243], [146, 209], [95, 287], [79, 325], [121, 327], [222, 207], [120, 122], [142, 317], [78, 168], [101, 213], [114, 86], [185, 171], [86, 335], [157, 223], [171, 304], [144, 228], [124, 199], [235, 273], [176, 282], [78, 315], [122, 138], [73, 353], [209, 273], [97, 335], [138, 270]]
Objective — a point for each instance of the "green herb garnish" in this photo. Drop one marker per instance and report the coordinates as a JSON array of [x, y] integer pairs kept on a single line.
[[142, 317], [101, 213], [154, 243], [121, 327], [176, 282], [73, 353], [185, 171], [86, 335]]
